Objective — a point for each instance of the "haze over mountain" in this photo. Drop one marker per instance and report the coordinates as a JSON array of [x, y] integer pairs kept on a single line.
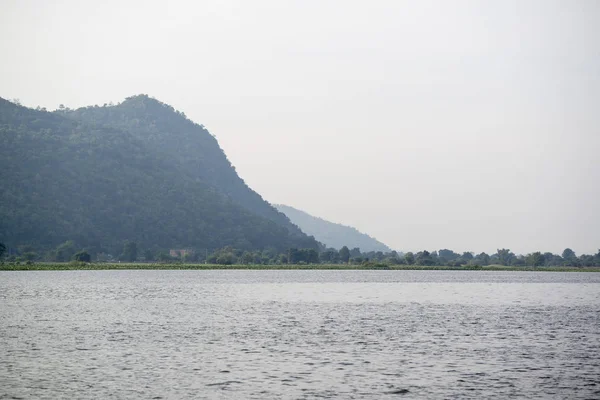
[[137, 171], [332, 234]]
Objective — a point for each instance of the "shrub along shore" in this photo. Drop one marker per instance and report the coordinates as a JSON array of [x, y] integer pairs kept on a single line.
[[182, 266]]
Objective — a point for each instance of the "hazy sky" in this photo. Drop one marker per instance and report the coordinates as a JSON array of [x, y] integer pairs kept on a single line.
[[469, 125]]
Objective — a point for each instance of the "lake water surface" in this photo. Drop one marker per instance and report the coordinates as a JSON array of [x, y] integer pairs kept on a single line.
[[299, 334]]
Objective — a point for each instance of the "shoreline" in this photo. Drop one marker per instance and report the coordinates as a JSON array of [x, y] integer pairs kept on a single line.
[[338, 267]]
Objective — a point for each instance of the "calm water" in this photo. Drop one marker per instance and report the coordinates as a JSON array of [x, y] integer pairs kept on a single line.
[[299, 334]]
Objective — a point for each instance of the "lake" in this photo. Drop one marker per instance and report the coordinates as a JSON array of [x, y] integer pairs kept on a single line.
[[299, 334]]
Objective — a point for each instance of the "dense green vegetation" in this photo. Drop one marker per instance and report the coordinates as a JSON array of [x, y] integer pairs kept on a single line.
[[138, 171], [190, 149], [309, 258], [364, 266], [331, 234]]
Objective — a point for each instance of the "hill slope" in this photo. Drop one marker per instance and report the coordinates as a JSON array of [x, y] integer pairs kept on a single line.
[[332, 234], [193, 150], [69, 176]]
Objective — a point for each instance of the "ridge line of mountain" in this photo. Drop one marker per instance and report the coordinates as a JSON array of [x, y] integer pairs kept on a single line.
[[138, 170], [332, 234]]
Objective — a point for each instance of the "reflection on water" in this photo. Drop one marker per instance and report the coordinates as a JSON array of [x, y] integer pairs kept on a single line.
[[299, 334]]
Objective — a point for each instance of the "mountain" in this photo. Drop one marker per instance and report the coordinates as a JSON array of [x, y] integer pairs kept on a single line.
[[332, 234], [190, 147], [137, 171]]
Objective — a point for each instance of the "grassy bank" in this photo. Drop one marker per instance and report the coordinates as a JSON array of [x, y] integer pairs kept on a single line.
[[149, 266]]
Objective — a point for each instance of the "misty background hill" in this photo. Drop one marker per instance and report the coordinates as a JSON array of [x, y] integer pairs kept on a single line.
[[332, 234], [138, 171]]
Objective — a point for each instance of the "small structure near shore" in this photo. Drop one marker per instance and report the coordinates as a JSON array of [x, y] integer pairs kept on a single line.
[[180, 252]]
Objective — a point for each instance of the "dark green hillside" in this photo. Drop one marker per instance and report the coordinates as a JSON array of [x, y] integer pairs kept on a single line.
[[190, 147], [331, 234], [64, 179]]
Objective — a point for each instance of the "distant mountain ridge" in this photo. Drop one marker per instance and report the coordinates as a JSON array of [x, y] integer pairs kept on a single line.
[[138, 171], [332, 234]]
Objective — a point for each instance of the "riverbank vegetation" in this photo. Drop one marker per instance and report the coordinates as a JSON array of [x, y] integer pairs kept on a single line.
[[69, 256], [130, 252], [42, 266]]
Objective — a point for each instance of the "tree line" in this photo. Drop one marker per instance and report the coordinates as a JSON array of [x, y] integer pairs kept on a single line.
[[130, 252]]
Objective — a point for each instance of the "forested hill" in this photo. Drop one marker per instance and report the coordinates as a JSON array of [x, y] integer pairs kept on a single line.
[[190, 147], [137, 171], [332, 234]]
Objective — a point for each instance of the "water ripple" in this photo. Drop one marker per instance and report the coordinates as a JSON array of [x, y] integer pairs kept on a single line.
[[302, 334]]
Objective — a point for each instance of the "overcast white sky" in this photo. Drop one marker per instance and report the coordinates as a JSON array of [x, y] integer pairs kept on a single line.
[[470, 125]]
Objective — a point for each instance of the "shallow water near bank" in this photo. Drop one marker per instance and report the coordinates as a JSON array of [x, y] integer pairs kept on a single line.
[[299, 334]]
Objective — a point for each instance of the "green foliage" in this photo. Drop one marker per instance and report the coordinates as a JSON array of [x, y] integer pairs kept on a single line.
[[446, 255], [569, 257], [129, 252], [424, 258], [226, 259], [482, 259], [2, 249], [29, 256], [519, 261], [164, 257], [136, 171], [535, 259], [82, 256], [305, 256], [330, 256], [247, 258], [148, 255], [344, 254], [65, 251], [189, 258], [568, 254], [505, 257], [409, 258], [586, 260], [77, 265], [375, 265]]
